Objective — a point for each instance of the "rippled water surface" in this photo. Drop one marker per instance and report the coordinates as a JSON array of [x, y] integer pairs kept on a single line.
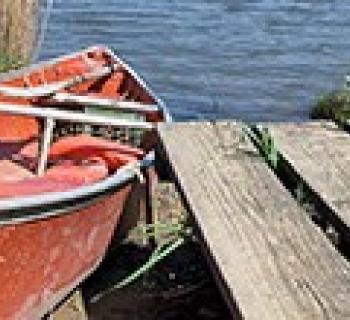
[[246, 59]]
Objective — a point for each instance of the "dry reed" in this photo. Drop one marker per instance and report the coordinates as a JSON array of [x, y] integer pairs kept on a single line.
[[18, 29]]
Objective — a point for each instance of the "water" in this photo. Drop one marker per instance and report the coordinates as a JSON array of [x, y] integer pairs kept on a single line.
[[244, 59]]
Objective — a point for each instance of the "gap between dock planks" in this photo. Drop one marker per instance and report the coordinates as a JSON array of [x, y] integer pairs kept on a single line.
[[273, 261], [319, 152]]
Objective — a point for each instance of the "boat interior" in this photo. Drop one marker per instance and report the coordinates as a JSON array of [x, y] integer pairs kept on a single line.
[[71, 122]]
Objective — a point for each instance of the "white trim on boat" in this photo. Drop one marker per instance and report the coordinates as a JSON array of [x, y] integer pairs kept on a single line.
[[103, 102], [42, 206], [122, 63], [49, 125], [73, 116], [141, 82], [52, 88]]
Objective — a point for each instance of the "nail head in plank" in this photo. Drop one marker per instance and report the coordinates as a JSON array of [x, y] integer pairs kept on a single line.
[[273, 260]]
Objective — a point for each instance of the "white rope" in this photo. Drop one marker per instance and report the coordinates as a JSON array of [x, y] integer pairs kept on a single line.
[[43, 28]]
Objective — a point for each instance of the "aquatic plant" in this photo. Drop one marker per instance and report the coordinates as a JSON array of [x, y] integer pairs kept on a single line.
[[262, 139], [334, 105]]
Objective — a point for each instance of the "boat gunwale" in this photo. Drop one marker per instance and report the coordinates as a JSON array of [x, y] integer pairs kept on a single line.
[[46, 205]]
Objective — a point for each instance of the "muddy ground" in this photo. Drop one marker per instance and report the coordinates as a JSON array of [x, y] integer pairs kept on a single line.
[[179, 287]]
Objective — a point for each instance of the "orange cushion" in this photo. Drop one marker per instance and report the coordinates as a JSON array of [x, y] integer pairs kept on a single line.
[[82, 147], [10, 171], [61, 177], [32, 186], [91, 170]]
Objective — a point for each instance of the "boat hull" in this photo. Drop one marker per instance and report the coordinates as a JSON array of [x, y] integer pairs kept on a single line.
[[43, 260], [51, 241]]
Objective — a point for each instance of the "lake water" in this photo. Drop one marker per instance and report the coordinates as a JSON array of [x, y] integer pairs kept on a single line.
[[245, 59]]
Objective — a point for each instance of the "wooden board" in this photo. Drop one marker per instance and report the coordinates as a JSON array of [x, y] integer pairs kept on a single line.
[[72, 309], [274, 263], [320, 153]]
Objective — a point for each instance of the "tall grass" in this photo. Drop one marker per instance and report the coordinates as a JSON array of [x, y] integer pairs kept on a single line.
[[18, 32]]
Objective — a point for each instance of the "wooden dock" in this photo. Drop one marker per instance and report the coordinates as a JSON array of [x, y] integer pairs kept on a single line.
[[270, 259], [319, 152]]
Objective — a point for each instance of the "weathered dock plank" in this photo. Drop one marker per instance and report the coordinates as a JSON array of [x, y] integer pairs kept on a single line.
[[72, 309], [274, 263], [319, 152]]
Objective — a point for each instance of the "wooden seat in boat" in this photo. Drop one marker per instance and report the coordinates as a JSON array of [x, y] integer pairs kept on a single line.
[[60, 177]]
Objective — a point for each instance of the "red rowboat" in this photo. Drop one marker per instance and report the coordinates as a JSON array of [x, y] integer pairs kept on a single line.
[[74, 133]]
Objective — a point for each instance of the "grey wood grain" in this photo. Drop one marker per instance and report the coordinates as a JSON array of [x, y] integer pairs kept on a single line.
[[320, 153], [276, 263]]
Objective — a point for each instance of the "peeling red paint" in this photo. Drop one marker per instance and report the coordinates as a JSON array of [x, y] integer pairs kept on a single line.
[[40, 261], [40, 258]]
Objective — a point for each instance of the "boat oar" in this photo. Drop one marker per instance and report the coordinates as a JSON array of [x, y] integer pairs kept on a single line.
[[50, 89], [73, 116], [84, 100]]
